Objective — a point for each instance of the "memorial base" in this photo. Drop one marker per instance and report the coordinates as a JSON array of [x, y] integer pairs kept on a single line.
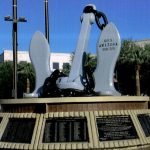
[[76, 123], [68, 104]]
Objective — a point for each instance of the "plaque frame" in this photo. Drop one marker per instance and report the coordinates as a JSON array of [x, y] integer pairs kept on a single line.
[[118, 143], [140, 112], [93, 134], [116, 127], [20, 145], [3, 116], [65, 129], [67, 145]]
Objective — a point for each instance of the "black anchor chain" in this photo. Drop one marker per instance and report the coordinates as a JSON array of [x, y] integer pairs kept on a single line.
[[98, 16]]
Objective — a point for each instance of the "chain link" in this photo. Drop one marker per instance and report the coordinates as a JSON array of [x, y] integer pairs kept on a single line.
[[98, 16]]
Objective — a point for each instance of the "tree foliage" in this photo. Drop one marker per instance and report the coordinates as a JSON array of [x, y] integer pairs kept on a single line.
[[25, 70], [66, 68], [6, 82], [132, 53], [90, 61], [133, 57]]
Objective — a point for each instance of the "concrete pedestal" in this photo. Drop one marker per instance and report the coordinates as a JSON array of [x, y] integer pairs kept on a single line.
[[44, 105], [121, 122]]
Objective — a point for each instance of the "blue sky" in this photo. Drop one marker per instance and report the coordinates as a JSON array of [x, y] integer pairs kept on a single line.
[[132, 18]]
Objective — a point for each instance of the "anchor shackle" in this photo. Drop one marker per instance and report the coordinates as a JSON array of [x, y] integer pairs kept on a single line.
[[98, 16]]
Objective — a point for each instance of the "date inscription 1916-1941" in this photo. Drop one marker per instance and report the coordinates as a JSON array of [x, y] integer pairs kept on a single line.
[[108, 44]]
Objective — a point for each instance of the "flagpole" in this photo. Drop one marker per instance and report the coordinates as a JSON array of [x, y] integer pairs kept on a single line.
[[15, 44], [46, 20], [15, 48]]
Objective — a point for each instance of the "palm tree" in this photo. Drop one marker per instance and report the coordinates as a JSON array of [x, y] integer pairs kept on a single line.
[[90, 60], [131, 53], [66, 68], [25, 69]]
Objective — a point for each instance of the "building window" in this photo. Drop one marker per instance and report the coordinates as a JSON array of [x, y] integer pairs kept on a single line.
[[55, 65], [65, 65]]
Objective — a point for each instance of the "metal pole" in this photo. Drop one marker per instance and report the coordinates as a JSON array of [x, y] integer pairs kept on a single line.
[[46, 20], [15, 45]]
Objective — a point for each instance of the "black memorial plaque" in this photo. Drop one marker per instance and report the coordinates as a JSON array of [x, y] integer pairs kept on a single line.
[[1, 119], [19, 130], [65, 130], [145, 123], [118, 127]]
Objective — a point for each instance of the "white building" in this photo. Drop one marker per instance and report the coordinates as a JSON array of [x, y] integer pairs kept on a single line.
[[57, 60], [142, 43]]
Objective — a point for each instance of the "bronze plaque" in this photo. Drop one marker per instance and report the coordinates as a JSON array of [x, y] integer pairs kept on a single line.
[[65, 130], [145, 123], [117, 127]]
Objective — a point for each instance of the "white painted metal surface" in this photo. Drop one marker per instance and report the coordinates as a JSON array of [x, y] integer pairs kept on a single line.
[[108, 49], [39, 54]]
